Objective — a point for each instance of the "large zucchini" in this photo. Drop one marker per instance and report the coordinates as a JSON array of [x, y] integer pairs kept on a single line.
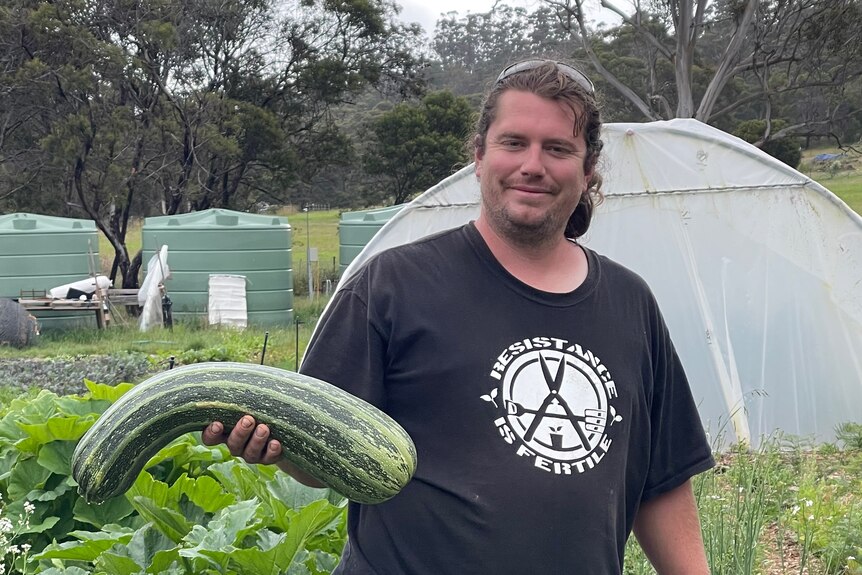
[[350, 445]]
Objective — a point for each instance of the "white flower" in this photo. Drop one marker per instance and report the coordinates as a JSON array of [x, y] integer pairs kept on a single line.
[[811, 518], [808, 503], [13, 549], [795, 510], [25, 547], [5, 525], [29, 508]]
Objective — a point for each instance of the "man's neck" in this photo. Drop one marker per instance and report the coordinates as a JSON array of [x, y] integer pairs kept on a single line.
[[556, 266]]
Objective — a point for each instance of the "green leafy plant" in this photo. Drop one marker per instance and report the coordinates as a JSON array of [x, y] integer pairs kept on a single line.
[[195, 509], [850, 434]]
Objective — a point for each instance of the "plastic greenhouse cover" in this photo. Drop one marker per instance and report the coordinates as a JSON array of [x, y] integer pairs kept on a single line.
[[756, 267]]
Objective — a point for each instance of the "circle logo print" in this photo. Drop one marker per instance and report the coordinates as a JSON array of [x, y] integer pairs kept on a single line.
[[553, 403]]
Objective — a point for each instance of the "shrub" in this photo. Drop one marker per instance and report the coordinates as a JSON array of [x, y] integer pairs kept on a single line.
[[785, 149]]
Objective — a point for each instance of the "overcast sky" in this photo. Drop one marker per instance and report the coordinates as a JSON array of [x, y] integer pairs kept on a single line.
[[427, 12]]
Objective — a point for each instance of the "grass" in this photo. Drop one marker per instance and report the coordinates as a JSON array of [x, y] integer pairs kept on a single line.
[[784, 508], [842, 176], [322, 233], [848, 187], [187, 342]]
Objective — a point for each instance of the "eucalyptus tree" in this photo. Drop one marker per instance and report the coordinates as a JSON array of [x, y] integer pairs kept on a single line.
[[756, 53], [470, 49], [168, 105]]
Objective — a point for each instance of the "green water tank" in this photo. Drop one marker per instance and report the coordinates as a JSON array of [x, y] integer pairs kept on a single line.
[[39, 252], [225, 242], [355, 229]]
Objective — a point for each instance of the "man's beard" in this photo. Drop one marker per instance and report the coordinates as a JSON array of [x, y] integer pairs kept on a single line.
[[534, 233]]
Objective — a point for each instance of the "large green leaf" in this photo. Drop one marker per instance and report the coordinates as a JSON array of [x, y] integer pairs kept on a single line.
[[204, 491], [115, 564], [111, 511], [228, 527], [146, 543], [57, 456], [256, 561], [167, 562], [310, 521], [182, 450], [56, 487], [241, 479], [27, 410], [295, 495], [319, 562], [25, 476], [81, 406], [108, 392], [64, 571], [107, 532], [36, 526], [172, 523], [58, 428], [84, 550]]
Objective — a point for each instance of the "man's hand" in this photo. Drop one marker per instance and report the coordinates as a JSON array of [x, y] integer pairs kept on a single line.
[[251, 442], [246, 440]]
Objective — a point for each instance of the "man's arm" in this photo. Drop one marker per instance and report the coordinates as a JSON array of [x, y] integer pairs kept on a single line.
[[668, 530]]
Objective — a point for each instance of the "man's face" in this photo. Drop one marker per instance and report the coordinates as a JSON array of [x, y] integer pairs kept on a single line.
[[531, 168]]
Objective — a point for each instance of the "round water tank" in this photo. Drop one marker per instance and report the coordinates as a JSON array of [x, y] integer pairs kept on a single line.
[[225, 242], [39, 252], [355, 229]]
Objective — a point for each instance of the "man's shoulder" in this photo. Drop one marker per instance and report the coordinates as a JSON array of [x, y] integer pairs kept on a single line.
[[415, 258], [439, 244], [617, 273]]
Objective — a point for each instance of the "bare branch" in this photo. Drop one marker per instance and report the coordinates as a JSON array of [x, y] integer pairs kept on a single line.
[[577, 13], [724, 71]]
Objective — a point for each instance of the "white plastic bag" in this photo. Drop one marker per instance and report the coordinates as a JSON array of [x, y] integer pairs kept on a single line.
[[150, 293]]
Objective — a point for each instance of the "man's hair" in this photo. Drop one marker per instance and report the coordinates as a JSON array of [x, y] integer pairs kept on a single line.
[[549, 81]]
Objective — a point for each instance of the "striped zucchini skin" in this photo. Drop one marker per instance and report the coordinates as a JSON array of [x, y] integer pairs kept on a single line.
[[339, 439]]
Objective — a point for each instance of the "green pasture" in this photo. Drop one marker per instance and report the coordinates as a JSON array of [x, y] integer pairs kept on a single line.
[[187, 342], [848, 187], [842, 176]]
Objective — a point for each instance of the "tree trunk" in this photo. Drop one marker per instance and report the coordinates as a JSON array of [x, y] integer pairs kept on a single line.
[[725, 67]]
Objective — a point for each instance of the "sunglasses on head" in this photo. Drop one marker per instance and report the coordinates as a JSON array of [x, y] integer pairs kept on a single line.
[[569, 71]]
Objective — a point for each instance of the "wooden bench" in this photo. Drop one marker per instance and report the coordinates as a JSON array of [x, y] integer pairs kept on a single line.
[[100, 303]]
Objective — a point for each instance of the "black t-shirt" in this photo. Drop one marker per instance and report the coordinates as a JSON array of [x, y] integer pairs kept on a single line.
[[541, 420]]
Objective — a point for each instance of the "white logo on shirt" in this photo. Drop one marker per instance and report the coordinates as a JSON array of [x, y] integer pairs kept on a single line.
[[553, 404]]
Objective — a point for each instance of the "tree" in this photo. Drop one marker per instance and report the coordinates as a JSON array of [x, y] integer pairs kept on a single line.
[[470, 49], [416, 146], [168, 105], [785, 149], [779, 49]]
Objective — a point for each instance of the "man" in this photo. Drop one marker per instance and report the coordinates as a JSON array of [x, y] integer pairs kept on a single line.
[[550, 412]]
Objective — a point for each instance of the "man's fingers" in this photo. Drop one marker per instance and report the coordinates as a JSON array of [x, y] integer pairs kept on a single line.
[[240, 435], [247, 440], [213, 434], [272, 453], [254, 448]]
